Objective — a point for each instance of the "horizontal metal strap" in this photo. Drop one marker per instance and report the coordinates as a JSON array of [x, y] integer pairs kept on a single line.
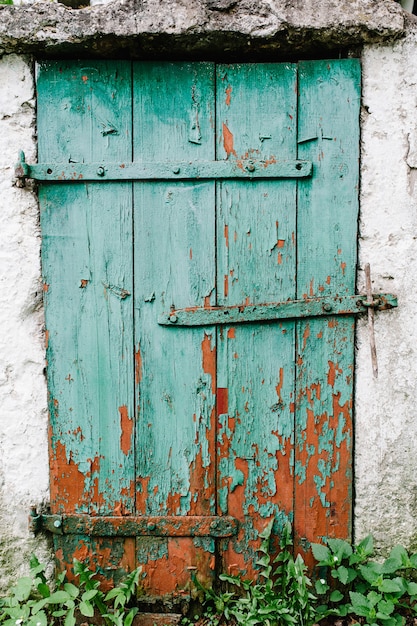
[[84, 172], [293, 309], [135, 526]]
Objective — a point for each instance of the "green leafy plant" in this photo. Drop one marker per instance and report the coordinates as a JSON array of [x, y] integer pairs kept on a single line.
[[281, 595], [350, 585], [353, 584], [34, 602]]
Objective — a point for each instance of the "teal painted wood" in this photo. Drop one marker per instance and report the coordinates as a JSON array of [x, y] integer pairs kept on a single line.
[[86, 265], [174, 266], [328, 134], [256, 224], [229, 399]]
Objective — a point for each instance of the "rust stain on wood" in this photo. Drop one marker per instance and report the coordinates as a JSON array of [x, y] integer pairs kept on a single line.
[[138, 366], [228, 95], [126, 428], [228, 141], [209, 360]]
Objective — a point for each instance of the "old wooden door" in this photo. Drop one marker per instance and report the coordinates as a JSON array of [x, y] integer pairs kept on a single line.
[[199, 242]]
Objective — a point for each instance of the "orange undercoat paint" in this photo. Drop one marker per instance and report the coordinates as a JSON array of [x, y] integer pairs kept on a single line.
[[278, 387], [228, 141], [231, 333], [67, 482], [228, 94], [269, 161], [222, 400], [226, 234], [138, 366], [313, 519], [331, 374], [202, 481], [142, 492], [226, 285], [126, 427], [209, 360]]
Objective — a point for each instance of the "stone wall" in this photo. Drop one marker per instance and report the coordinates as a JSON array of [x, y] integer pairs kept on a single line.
[[386, 424], [23, 413]]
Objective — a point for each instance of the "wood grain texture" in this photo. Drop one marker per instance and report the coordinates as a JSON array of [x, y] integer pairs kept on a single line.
[[153, 422], [174, 266], [87, 273], [328, 134], [256, 224]]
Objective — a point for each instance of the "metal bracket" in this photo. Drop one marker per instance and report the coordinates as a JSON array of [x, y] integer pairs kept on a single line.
[[181, 170], [134, 526], [292, 309]]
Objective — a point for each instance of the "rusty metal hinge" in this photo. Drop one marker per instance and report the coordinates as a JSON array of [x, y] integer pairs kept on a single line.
[[134, 526], [292, 309], [181, 170]]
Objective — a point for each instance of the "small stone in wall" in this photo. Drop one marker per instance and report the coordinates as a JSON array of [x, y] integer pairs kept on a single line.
[[221, 5], [75, 4]]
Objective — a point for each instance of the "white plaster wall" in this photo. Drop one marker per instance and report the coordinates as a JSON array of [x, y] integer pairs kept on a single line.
[[23, 415], [386, 411]]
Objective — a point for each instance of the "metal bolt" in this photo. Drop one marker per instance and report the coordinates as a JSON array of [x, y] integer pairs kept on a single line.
[[176, 170], [151, 526], [327, 307], [101, 171], [57, 523], [250, 166], [173, 319]]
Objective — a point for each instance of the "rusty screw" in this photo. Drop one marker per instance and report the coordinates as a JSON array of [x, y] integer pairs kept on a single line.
[[173, 319], [327, 307], [250, 166]]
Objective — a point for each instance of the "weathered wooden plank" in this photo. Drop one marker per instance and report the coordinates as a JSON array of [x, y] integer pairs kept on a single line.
[[256, 117], [327, 235], [86, 265], [175, 372], [175, 170]]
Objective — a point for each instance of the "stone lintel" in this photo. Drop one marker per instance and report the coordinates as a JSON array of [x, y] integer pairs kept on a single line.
[[238, 29]]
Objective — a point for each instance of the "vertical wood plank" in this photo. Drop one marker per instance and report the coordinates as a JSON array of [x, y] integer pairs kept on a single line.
[[175, 369], [84, 116], [256, 118], [329, 93]]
